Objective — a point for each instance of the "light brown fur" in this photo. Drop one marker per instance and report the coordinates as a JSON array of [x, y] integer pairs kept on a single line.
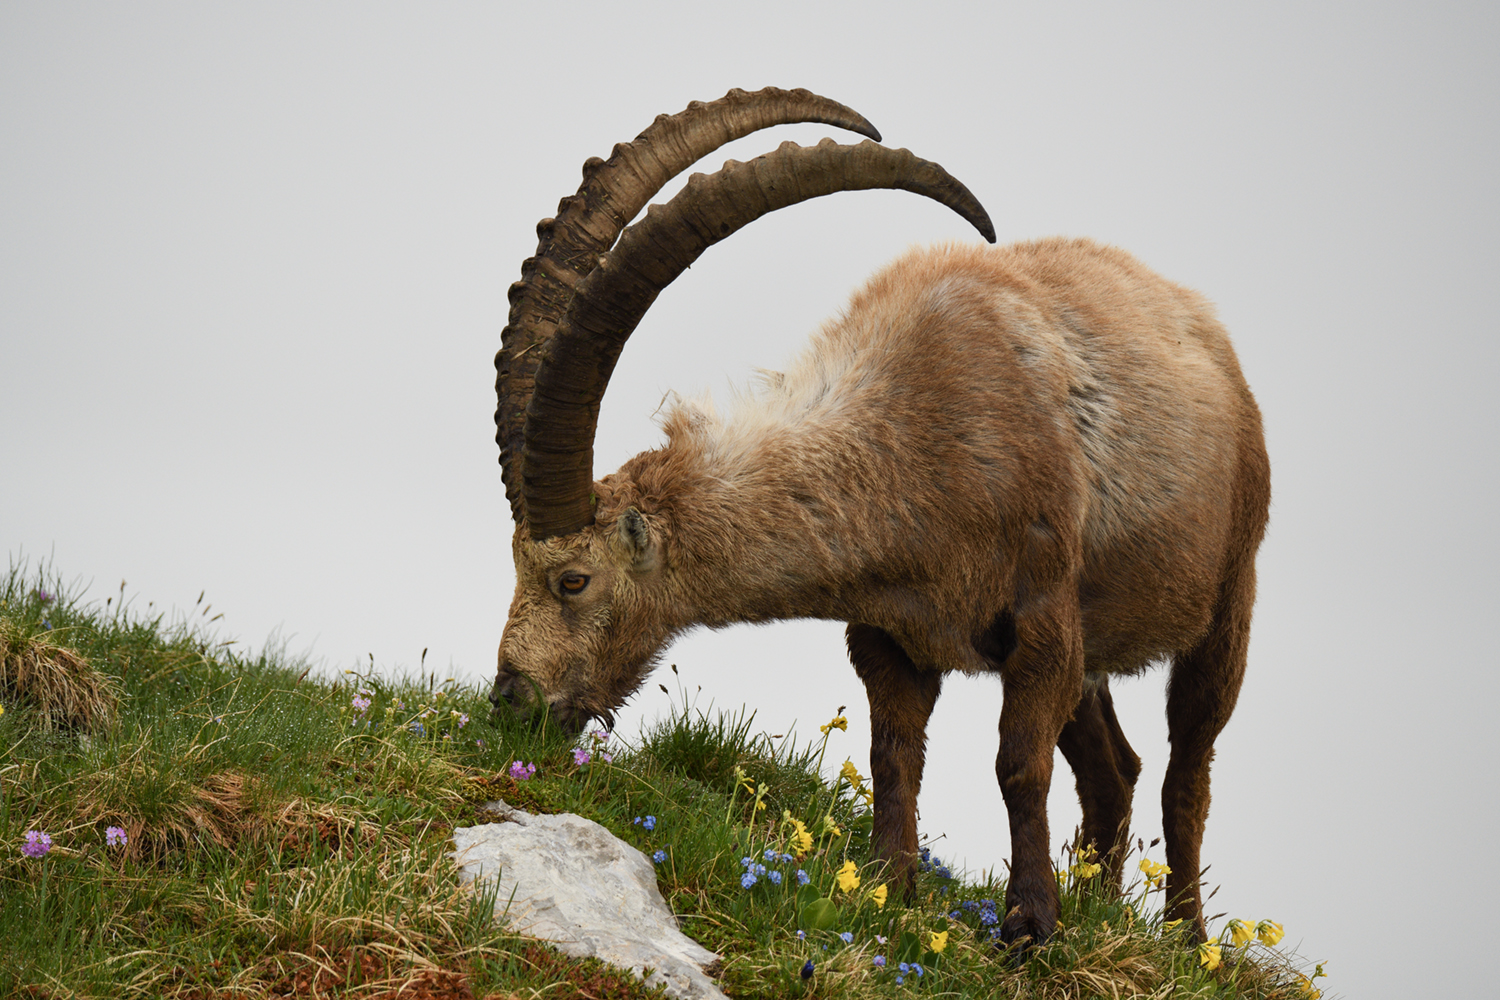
[[1040, 460]]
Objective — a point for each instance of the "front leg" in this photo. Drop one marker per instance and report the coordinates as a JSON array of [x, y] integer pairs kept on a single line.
[[901, 699]]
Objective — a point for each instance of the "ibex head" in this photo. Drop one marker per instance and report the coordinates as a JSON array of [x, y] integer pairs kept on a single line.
[[595, 594]]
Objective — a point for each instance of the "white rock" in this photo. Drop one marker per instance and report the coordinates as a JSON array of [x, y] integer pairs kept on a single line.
[[568, 881]]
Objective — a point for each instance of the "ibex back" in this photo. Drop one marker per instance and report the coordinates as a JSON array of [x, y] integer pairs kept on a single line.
[[1040, 461]]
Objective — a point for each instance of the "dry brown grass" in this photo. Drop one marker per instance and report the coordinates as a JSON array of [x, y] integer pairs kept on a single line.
[[56, 683]]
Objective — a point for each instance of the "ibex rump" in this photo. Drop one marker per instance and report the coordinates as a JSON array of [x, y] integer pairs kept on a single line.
[[1040, 461]]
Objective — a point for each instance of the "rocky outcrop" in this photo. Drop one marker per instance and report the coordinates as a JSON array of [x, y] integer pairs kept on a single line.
[[568, 881]]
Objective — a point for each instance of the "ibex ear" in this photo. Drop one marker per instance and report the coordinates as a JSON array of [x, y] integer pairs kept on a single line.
[[635, 535]]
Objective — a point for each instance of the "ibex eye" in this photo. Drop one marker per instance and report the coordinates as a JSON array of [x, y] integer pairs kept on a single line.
[[573, 583]]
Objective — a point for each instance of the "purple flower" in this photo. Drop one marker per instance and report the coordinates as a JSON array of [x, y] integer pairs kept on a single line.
[[747, 880], [659, 857], [649, 823], [880, 939], [608, 758], [522, 772], [463, 719], [114, 836], [847, 937], [360, 703], [37, 844], [879, 961], [600, 735], [580, 756], [43, 596]]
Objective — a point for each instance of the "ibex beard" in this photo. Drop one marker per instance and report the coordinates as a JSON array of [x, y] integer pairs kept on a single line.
[[1039, 461]]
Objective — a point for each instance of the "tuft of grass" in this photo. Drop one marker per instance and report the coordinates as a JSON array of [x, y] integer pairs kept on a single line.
[[57, 684], [232, 824]]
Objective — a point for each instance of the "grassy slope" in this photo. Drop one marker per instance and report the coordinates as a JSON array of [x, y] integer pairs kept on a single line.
[[283, 840]]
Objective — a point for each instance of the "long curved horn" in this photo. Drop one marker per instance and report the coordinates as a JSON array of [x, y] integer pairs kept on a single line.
[[587, 223], [607, 305]]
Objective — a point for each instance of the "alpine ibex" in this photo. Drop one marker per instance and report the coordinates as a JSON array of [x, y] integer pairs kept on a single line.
[[1040, 461]]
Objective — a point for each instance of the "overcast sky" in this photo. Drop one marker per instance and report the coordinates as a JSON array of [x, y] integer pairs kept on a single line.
[[253, 263]]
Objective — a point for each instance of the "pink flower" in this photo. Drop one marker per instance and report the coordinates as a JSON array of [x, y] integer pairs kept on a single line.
[[37, 844], [581, 756], [522, 772], [114, 836]]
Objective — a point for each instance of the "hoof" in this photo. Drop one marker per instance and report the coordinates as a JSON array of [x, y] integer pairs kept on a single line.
[[1020, 933]]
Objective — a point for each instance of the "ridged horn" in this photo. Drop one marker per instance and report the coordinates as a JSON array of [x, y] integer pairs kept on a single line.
[[587, 223], [609, 303]]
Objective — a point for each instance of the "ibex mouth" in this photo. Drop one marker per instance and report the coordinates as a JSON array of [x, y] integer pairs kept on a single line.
[[521, 697]]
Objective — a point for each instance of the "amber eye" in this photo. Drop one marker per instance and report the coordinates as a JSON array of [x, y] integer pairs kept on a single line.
[[573, 583]]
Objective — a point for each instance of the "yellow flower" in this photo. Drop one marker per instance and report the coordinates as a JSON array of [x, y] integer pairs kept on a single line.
[[878, 894], [1084, 869], [1269, 932], [1239, 933], [828, 828], [1208, 956], [1154, 872], [848, 879], [850, 773], [939, 940], [868, 795], [1168, 925], [801, 839], [1309, 991], [837, 722]]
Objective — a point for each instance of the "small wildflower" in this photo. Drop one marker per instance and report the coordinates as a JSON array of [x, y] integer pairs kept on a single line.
[[802, 935], [802, 840], [879, 961], [360, 703], [878, 894], [659, 857], [775, 877], [748, 879], [828, 828], [1154, 872], [580, 756], [807, 969], [939, 942], [837, 722], [847, 937], [802, 877], [771, 856], [114, 836], [747, 862], [1240, 933], [1208, 956], [1269, 932], [904, 967], [37, 844], [418, 728], [1168, 925], [608, 758], [649, 823], [880, 939], [522, 772], [848, 876], [918, 970]]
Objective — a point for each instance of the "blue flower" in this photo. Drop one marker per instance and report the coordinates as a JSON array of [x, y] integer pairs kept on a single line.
[[904, 968], [807, 969], [746, 862], [771, 855], [650, 823], [659, 857], [879, 961], [775, 878], [847, 937], [418, 728], [802, 877], [917, 969], [747, 880], [637, 822], [802, 935], [956, 914], [758, 869], [900, 980]]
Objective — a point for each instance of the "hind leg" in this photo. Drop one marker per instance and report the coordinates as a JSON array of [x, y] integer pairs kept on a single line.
[[1105, 769], [1204, 685], [901, 699]]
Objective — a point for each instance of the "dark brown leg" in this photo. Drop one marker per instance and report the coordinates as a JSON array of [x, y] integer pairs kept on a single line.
[[901, 699], [1043, 681], [1204, 686], [1105, 769]]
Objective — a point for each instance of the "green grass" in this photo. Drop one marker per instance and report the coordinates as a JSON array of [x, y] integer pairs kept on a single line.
[[282, 841]]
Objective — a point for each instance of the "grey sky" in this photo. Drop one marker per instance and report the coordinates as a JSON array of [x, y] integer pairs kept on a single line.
[[253, 264]]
